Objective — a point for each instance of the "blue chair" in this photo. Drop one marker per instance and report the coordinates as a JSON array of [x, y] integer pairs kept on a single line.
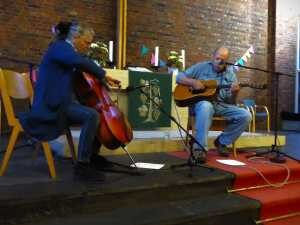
[[259, 112]]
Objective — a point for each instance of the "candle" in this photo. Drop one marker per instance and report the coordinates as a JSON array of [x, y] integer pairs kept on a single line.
[[156, 57], [183, 58], [111, 51]]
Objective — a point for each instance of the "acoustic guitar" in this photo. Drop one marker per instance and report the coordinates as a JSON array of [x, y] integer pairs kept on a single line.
[[185, 95]]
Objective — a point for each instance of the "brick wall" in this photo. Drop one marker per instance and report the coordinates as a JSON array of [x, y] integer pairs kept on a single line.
[[199, 26], [25, 26], [288, 13]]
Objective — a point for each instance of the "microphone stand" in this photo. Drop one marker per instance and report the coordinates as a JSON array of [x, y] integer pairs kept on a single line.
[[192, 161], [277, 156]]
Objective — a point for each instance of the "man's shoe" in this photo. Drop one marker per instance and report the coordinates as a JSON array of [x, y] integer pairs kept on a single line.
[[200, 156], [222, 149], [99, 162], [84, 172]]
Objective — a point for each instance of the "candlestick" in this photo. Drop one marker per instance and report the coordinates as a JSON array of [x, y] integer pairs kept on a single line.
[[156, 56], [111, 51], [183, 58]]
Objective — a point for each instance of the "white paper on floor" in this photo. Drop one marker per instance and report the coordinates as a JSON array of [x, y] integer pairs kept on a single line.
[[231, 162], [143, 165]]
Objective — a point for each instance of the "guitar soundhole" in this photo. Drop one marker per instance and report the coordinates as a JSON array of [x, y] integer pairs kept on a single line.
[[197, 91]]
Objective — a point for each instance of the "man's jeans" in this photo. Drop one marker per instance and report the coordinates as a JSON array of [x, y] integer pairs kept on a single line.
[[237, 121], [88, 118]]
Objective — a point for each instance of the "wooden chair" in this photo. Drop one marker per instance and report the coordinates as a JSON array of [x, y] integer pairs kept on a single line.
[[15, 85], [0, 113], [218, 124]]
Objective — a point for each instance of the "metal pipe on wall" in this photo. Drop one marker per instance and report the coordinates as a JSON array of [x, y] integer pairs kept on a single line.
[[121, 33]]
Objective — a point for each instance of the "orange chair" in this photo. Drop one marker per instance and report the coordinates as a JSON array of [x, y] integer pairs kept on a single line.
[[15, 85]]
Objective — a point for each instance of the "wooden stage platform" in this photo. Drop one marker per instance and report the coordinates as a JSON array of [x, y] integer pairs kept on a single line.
[[171, 140]]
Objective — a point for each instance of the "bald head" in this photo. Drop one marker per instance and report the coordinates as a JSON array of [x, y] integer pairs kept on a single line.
[[220, 56]]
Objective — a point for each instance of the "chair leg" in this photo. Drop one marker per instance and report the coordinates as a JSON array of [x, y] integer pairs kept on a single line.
[[10, 147], [188, 128], [253, 112], [234, 150], [268, 123], [71, 145], [49, 158], [0, 115], [253, 124]]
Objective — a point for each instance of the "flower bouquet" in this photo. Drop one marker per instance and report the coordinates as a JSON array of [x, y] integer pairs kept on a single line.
[[174, 60], [98, 52]]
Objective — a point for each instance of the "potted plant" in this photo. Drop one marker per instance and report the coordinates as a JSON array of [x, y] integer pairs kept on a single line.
[[174, 62]]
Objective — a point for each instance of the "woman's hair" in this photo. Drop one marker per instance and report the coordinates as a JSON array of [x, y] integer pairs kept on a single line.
[[66, 30]]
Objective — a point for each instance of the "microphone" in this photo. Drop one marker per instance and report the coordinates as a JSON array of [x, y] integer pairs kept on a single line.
[[133, 88]]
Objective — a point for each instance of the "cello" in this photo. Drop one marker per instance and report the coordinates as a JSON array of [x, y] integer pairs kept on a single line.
[[114, 129]]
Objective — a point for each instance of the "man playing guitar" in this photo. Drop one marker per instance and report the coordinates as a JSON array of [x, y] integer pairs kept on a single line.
[[203, 110]]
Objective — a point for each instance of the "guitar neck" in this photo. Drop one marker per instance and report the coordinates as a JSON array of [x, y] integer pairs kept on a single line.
[[256, 86], [214, 84]]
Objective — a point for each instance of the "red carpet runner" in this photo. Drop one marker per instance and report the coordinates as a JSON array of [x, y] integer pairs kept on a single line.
[[276, 201]]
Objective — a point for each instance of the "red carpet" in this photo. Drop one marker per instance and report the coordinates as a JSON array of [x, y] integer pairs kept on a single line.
[[275, 201]]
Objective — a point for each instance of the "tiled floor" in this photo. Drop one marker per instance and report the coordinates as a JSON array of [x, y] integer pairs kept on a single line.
[[292, 146]]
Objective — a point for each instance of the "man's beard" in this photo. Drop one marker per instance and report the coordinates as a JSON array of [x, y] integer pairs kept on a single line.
[[220, 67]]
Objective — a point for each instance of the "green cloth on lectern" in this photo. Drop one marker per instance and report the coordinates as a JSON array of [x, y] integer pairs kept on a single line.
[[142, 112]]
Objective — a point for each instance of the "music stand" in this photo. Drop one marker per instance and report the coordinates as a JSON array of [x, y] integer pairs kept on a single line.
[[191, 161], [278, 156]]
